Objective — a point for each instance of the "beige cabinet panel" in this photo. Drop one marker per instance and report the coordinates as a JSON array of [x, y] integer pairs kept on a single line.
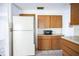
[[48, 42], [69, 48], [74, 14], [43, 21], [56, 21], [44, 43], [47, 21]]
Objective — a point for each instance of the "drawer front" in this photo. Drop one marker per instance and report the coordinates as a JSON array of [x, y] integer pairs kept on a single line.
[[69, 51], [65, 53], [72, 46]]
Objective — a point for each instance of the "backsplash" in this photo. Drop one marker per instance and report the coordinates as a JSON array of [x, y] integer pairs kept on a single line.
[[54, 30], [76, 30]]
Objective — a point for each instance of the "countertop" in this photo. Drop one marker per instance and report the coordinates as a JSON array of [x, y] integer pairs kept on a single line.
[[74, 39], [49, 35]]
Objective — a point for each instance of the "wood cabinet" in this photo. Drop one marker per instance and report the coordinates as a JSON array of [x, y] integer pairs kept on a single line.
[[56, 21], [69, 48], [46, 21], [48, 42], [74, 14], [43, 21], [44, 42], [55, 45]]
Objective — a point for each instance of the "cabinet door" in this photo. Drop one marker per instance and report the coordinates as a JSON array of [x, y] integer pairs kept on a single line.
[[56, 21], [55, 45], [75, 14], [44, 43], [43, 21], [70, 48]]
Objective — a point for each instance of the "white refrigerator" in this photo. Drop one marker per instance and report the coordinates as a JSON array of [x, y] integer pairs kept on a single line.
[[23, 35]]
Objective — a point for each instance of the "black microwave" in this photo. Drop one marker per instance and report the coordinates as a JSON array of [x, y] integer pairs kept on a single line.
[[47, 32]]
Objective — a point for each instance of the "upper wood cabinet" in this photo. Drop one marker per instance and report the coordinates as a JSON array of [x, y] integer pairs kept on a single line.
[[74, 14], [56, 21], [43, 21], [46, 21]]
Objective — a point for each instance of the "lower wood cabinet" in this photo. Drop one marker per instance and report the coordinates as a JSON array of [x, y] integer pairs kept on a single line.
[[55, 45], [69, 48], [48, 42], [44, 42]]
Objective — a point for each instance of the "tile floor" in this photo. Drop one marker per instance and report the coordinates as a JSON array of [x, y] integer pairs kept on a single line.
[[49, 53]]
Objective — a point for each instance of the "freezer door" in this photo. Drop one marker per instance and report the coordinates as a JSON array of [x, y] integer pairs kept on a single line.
[[23, 22], [23, 43]]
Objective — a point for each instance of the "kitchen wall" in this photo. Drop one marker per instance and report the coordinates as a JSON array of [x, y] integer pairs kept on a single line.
[[67, 29], [76, 30], [61, 9], [56, 31], [43, 12], [4, 29], [16, 10]]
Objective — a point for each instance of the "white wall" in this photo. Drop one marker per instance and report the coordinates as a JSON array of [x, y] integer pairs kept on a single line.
[[4, 29], [63, 10], [67, 29], [42, 12], [76, 30], [55, 31], [15, 10]]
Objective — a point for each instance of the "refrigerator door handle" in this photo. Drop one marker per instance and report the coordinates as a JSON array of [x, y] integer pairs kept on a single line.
[[34, 38], [11, 29]]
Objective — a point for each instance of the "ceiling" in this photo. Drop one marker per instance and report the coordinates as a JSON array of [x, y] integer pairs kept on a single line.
[[33, 6]]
